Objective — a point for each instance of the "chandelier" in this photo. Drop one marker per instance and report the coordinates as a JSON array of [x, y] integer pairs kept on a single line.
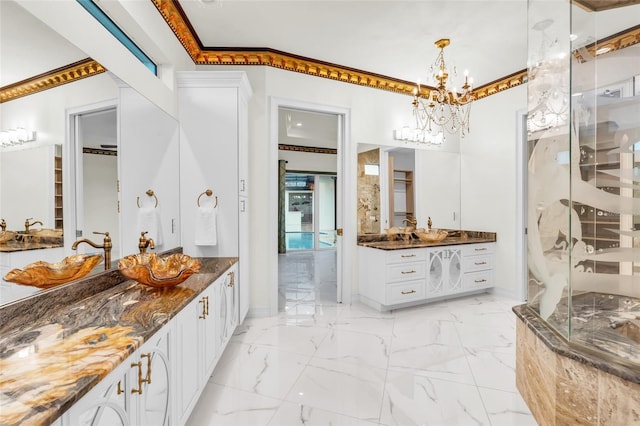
[[442, 106]]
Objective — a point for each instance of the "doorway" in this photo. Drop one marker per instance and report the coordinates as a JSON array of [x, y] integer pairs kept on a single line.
[[93, 136], [310, 211], [341, 153]]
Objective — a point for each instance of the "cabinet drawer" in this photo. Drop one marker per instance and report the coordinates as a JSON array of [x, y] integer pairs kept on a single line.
[[406, 255], [406, 271], [477, 280], [477, 249], [405, 292], [477, 263]]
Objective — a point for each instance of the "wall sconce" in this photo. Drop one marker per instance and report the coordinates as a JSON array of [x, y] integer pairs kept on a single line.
[[16, 136], [418, 136]]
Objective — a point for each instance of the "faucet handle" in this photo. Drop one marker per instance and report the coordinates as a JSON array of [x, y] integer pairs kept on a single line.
[[107, 238]]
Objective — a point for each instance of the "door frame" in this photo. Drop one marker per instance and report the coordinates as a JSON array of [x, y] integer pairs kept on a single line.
[[522, 170], [73, 169], [345, 189]]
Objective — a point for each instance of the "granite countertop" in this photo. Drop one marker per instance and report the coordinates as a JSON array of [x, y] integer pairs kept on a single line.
[[455, 237], [99, 320]]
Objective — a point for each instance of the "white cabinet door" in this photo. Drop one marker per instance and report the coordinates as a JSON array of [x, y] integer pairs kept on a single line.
[[207, 325], [107, 404], [438, 177], [153, 402], [444, 271], [243, 279]]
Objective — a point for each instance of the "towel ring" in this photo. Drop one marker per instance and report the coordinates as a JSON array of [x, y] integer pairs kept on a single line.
[[208, 193], [150, 193]]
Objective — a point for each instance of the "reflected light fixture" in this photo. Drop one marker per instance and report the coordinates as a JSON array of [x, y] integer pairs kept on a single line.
[[443, 106], [16, 136]]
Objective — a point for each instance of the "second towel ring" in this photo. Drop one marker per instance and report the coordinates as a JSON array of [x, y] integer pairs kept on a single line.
[[150, 193], [208, 193]]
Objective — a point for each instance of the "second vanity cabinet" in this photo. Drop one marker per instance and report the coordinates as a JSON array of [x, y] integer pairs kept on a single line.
[[403, 277], [137, 392]]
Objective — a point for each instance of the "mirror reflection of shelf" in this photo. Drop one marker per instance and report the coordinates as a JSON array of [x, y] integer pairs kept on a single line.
[[401, 199], [57, 170]]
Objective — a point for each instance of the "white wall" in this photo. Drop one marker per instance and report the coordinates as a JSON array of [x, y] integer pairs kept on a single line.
[[488, 178], [374, 116]]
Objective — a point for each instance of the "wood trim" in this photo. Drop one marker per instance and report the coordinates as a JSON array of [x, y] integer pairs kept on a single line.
[[600, 5], [54, 78], [309, 149], [99, 151]]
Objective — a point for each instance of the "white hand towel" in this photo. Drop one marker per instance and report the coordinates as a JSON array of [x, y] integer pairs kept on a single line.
[[206, 226], [149, 221]]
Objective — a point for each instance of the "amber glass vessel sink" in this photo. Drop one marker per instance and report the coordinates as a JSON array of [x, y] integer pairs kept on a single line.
[[7, 236], [46, 275], [154, 271], [432, 235]]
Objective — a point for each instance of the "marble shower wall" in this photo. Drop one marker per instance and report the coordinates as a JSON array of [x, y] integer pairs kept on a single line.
[[368, 194]]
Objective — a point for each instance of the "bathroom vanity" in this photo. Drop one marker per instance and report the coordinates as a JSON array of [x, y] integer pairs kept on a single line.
[[105, 350], [396, 274]]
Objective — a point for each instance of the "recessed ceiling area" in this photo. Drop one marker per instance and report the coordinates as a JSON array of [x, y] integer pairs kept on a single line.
[[307, 128]]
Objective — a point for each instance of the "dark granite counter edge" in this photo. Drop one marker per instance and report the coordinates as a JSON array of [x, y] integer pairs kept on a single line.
[[559, 345], [455, 237]]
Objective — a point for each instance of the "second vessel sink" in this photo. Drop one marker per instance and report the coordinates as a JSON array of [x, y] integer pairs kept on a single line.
[[432, 235], [7, 236], [46, 275], [154, 271]]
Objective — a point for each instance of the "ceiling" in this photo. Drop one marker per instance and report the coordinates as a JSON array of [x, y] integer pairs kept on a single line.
[[390, 38]]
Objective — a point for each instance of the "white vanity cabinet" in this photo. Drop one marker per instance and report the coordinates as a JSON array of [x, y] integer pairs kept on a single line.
[[477, 261], [137, 392], [396, 278], [203, 329]]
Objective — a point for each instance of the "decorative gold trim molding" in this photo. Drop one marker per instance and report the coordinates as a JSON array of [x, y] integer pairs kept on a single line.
[[54, 78], [617, 41], [311, 149], [178, 21], [600, 5], [98, 151]]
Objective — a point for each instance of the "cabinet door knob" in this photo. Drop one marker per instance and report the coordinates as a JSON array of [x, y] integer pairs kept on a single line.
[[119, 390], [232, 279]]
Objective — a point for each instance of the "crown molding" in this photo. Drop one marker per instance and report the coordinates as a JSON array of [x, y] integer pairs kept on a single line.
[[54, 78], [310, 149], [617, 41], [600, 5]]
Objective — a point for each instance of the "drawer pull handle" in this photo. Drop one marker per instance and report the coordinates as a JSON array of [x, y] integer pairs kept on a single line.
[[204, 307], [140, 379], [148, 379], [119, 389], [408, 292], [480, 281], [408, 272], [480, 263], [481, 249], [407, 255]]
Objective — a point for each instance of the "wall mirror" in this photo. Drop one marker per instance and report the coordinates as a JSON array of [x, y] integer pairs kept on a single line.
[[78, 122], [411, 183]]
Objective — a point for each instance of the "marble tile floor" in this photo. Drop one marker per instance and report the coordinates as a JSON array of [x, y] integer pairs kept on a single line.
[[322, 363]]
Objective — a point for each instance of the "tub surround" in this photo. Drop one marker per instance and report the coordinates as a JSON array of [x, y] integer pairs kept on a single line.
[[568, 384], [58, 344]]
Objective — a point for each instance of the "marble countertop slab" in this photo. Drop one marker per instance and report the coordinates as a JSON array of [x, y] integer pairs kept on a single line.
[[98, 322], [456, 237], [612, 365]]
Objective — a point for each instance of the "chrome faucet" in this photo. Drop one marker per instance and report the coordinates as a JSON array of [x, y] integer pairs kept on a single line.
[[3, 225], [144, 242], [27, 225], [106, 246]]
